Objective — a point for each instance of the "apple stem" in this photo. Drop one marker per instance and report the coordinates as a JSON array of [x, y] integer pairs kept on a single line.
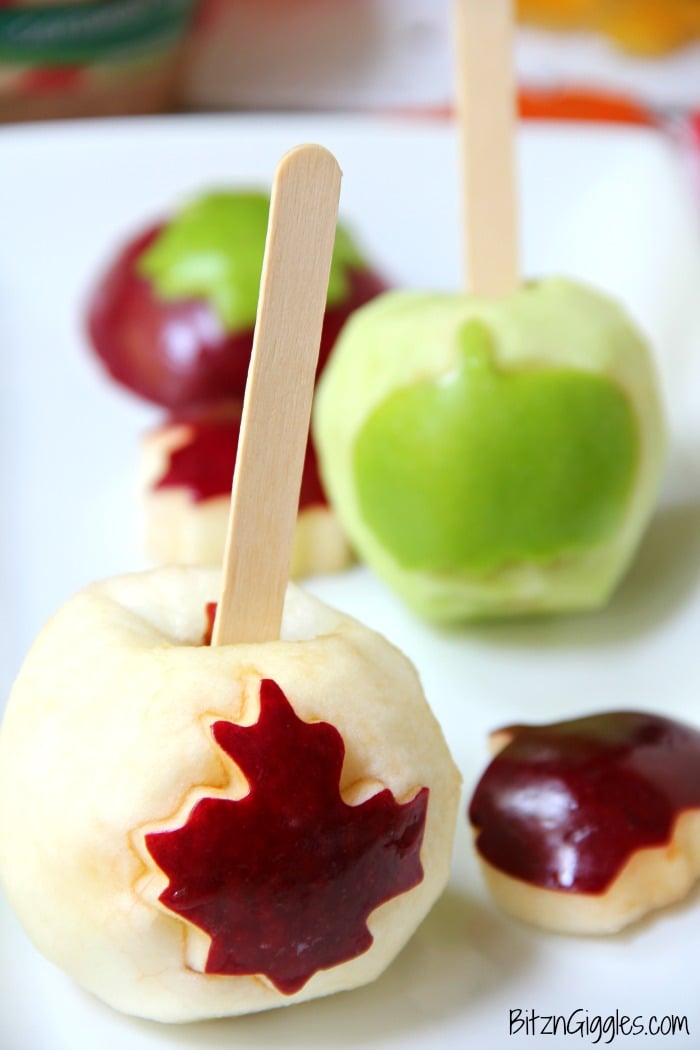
[[486, 117], [278, 396]]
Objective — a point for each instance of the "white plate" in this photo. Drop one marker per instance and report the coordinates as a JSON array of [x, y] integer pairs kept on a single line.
[[609, 206]]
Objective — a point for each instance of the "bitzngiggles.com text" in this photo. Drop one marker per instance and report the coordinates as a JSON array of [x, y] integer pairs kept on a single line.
[[595, 1028]]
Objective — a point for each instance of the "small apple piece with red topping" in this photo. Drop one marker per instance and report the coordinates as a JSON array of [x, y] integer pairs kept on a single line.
[[584, 826], [193, 831], [188, 466], [172, 317], [492, 457]]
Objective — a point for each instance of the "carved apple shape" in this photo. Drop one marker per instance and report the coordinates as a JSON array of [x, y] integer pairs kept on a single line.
[[193, 831], [492, 458], [172, 317]]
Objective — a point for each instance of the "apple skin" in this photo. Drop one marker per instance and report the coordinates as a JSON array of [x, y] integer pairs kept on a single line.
[[106, 738], [175, 348], [423, 463]]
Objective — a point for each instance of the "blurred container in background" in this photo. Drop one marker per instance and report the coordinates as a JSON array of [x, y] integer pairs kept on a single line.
[[642, 27], [90, 59], [397, 54], [81, 58]]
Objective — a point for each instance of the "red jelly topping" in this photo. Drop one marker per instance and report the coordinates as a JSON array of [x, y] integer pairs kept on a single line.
[[284, 879], [564, 806], [176, 352], [210, 613], [204, 463]]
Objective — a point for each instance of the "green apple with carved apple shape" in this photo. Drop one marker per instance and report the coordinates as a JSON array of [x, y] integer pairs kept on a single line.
[[493, 457]]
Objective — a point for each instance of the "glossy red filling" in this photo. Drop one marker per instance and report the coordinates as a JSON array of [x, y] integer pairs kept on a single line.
[[204, 463], [284, 879], [210, 614], [176, 353], [565, 806]]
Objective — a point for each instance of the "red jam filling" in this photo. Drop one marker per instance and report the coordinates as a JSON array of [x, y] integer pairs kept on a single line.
[[176, 353], [210, 614], [564, 806], [284, 879], [204, 464]]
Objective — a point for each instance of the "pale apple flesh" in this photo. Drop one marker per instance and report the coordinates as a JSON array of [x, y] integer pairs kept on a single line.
[[652, 879], [107, 736]]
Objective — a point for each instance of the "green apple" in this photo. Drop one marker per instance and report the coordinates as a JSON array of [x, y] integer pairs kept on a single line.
[[496, 457], [199, 254]]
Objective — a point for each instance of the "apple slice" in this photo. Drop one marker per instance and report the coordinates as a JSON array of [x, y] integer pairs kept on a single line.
[[584, 826]]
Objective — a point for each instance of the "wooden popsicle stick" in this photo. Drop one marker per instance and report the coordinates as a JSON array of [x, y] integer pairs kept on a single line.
[[486, 114], [278, 396]]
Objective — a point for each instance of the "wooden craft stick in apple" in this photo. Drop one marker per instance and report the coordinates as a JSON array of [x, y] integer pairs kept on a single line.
[[483, 35], [497, 452], [277, 405], [198, 830]]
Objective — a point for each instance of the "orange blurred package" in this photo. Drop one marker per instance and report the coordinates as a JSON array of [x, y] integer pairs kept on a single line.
[[643, 27]]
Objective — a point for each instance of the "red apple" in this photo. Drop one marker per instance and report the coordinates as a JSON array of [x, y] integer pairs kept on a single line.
[[176, 350]]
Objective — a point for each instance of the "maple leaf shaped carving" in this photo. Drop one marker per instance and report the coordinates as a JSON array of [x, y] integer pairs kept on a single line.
[[284, 879]]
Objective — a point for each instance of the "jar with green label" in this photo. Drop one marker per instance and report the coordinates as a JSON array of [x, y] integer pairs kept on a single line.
[[89, 59]]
